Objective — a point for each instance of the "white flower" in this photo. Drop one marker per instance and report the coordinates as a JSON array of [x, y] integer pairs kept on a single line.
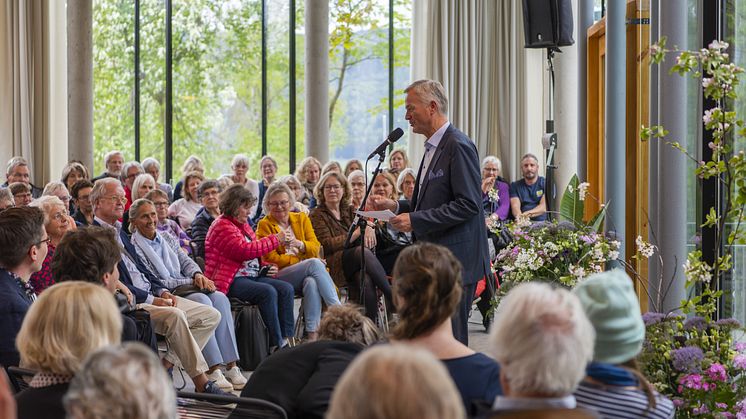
[[613, 255], [551, 249], [707, 117], [706, 82], [717, 44], [523, 220], [583, 190], [702, 272], [646, 249], [528, 259], [577, 271]]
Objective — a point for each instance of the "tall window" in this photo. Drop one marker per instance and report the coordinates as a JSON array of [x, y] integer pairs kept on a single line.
[[232, 63]]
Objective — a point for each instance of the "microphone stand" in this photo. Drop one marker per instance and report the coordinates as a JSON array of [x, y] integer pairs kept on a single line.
[[361, 223]]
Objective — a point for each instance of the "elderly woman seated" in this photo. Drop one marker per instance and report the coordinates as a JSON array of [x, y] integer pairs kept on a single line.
[[153, 168], [121, 382], [427, 292], [208, 193], [395, 382], [62, 327], [181, 275], [297, 258], [357, 185], [543, 341], [71, 173], [21, 193], [240, 168], [165, 224], [301, 379], [298, 193], [233, 260], [184, 209], [56, 222], [6, 199], [405, 183], [389, 241]]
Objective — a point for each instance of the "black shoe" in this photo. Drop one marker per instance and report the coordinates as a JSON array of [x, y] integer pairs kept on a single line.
[[487, 322]]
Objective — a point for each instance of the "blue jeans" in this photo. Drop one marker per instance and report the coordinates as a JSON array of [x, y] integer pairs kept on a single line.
[[275, 301], [311, 278], [221, 348]]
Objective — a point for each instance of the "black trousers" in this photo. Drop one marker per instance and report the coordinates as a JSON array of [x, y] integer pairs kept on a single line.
[[460, 318]]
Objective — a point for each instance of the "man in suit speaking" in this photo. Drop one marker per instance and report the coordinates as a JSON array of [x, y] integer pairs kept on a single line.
[[446, 206]]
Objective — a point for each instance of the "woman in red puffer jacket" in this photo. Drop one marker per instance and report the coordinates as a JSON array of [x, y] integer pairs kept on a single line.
[[233, 261]]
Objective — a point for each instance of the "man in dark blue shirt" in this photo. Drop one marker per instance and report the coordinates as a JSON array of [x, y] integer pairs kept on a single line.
[[527, 195]]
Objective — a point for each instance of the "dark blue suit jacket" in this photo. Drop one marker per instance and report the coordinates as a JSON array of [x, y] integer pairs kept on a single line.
[[155, 284], [14, 303], [449, 210]]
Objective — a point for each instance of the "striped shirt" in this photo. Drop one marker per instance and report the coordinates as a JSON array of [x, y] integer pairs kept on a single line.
[[613, 402]]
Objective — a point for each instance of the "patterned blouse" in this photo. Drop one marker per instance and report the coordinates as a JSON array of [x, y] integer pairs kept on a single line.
[[43, 279], [173, 229]]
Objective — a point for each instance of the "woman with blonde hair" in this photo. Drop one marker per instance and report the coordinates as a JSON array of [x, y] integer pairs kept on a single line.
[[65, 324], [395, 382], [331, 166], [398, 161], [57, 222], [427, 292], [308, 174], [352, 166], [186, 208], [191, 164]]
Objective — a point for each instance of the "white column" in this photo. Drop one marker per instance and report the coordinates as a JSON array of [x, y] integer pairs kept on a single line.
[[80, 81], [317, 79]]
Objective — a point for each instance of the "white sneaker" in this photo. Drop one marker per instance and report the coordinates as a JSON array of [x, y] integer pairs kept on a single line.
[[235, 376], [219, 379]]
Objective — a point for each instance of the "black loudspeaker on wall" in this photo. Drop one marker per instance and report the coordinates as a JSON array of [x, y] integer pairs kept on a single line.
[[547, 23]]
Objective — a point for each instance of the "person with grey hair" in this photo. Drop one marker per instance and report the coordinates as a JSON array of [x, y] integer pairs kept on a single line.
[[57, 222], [18, 171], [297, 257], [59, 190], [446, 206], [183, 277], [153, 167], [6, 199], [208, 194], [240, 168], [543, 341], [405, 183], [130, 171], [357, 185], [527, 195], [298, 192], [121, 382], [268, 169], [495, 190], [113, 161]]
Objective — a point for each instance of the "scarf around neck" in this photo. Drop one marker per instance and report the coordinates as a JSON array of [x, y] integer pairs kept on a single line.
[[167, 263]]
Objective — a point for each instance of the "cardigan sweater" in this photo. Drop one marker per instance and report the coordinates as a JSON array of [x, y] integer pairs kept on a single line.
[[332, 234], [303, 230], [226, 249]]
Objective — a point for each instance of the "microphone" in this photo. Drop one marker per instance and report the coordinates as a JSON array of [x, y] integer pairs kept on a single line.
[[391, 139]]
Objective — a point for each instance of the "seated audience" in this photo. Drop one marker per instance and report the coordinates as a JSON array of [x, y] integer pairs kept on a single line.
[[240, 168], [308, 174], [527, 194], [389, 241], [191, 164], [71, 173], [331, 166], [130, 172], [357, 185], [24, 242], [68, 322], [395, 382], [153, 168], [80, 193], [233, 260], [59, 190], [185, 209], [113, 162], [398, 161], [352, 166], [124, 382], [427, 292], [181, 275], [297, 258], [92, 254], [56, 224], [209, 196], [301, 379], [21, 193], [6, 199], [298, 191], [141, 186], [613, 386], [331, 220], [499, 203], [18, 171], [405, 183], [186, 325], [268, 168], [543, 341], [165, 224]]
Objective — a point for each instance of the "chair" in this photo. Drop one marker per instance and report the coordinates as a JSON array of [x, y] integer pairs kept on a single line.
[[19, 378], [207, 406]]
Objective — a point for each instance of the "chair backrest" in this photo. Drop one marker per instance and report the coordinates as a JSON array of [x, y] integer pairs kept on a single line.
[[20, 377], [200, 405]]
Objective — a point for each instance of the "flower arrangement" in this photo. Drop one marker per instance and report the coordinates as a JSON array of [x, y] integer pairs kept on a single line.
[[695, 360]]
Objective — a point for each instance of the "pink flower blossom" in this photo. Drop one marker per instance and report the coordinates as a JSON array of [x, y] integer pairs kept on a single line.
[[717, 372], [740, 362], [693, 381]]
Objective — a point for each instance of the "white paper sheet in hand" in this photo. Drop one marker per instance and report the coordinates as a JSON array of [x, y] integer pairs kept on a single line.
[[384, 215]]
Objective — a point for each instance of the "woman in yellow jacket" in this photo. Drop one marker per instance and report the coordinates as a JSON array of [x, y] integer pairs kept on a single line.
[[297, 257]]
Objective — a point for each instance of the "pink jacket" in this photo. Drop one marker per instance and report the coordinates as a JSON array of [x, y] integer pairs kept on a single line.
[[226, 249]]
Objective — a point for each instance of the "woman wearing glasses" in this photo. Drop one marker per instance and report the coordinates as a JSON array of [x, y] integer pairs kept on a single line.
[[165, 224], [57, 222], [297, 257], [331, 220]]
